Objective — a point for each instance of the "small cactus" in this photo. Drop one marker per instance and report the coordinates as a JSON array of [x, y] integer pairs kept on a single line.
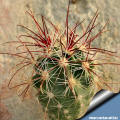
[[64, 86], [63, 67]]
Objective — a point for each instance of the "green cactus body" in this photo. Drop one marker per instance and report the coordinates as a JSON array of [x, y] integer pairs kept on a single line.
[[64, 87]]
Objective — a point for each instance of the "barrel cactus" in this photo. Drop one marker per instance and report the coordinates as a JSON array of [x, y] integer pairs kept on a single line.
[[65, 89], [64, 66]]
